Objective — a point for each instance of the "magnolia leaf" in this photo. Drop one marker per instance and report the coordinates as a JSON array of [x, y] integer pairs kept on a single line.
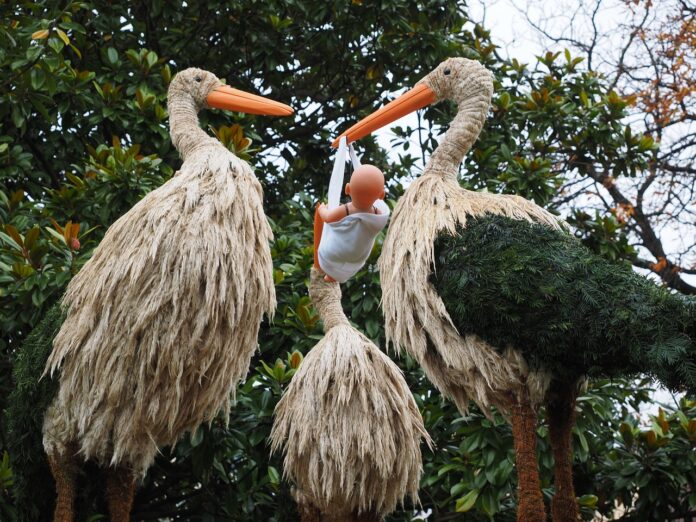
[[466, 502], [61, 34], [40, 35], [14, 234]]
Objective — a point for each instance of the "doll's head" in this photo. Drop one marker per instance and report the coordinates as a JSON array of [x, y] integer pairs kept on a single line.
[[366, 186]]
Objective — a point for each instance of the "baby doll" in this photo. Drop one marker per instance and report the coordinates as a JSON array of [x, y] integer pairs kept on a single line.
[[347, 240]]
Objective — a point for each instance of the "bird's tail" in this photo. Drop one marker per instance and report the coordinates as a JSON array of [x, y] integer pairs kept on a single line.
[[27, 403], [673, 360]]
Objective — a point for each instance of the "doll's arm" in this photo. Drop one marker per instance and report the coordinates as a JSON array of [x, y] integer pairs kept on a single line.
[[333, 215]]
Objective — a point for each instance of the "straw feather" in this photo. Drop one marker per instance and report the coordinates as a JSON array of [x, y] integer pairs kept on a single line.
[[348, 423], [162, 321], [462, 367]]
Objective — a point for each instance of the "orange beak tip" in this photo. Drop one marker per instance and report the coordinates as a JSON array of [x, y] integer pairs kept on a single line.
[[227, 98], [417, 98]]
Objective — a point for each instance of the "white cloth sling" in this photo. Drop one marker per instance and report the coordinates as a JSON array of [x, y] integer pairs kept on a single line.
[[346, 244]]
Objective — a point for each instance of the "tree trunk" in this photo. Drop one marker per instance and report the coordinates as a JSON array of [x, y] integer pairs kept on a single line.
[[560, 406], [530, 507]]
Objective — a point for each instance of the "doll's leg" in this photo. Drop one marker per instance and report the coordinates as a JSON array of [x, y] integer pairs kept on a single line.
[[318, 229]]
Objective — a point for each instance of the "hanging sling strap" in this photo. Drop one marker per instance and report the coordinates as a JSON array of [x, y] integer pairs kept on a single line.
[[353, 157], [338, 172], [335, 189]]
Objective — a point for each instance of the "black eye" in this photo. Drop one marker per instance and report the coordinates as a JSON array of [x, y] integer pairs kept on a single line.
[[447, 72], [198, 79]]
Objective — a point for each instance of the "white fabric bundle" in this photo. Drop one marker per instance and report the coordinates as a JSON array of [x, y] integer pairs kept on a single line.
[[346, 244]]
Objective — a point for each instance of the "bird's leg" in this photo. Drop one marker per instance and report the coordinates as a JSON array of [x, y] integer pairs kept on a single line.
[[64, 468], [120, 490], [308, 512], [560, 407], [530, 503], [369, 516]]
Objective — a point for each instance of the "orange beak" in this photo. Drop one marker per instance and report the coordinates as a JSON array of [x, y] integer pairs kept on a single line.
[[417, 98], [224, 97]]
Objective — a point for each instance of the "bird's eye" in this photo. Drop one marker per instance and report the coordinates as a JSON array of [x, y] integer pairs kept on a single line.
[[447, 72], [198, 79]]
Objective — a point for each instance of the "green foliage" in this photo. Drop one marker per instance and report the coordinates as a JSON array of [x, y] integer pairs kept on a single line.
[[651, 469], [470, 467], [7, 510], [605, 235], [29, 400], [566, 308], [38, 255], [83, 136]]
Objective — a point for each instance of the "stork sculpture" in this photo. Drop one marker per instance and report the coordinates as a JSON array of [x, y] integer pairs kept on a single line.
[[160, 324], [348, 424], [499, 304]]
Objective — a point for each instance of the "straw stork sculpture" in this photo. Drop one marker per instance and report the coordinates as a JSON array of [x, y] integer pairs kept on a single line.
[[348, 424], [161, 323], [501, 305]]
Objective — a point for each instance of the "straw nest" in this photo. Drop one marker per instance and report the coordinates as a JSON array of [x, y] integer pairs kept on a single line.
[[162, 321], [348, 423]]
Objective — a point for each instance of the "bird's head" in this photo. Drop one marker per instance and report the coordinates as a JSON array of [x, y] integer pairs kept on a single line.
[[456, 79], [204, 89]]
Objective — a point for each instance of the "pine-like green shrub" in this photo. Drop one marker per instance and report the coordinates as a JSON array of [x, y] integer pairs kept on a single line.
[[567, 309]]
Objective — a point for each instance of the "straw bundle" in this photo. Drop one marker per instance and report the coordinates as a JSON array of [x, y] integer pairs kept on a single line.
[[162, 321], [348, 423], [462, 367]]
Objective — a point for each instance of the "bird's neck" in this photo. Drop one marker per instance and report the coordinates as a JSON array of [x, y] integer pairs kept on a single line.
[[463, 132], [184, 128]]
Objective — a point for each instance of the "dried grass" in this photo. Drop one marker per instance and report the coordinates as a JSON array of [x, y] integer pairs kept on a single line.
[[162, 321], [348, 423], [462, 367]]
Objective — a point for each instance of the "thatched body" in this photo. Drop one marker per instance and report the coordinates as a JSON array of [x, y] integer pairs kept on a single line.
[[568, 310], [348, 422], [162, 321], [463, 367]]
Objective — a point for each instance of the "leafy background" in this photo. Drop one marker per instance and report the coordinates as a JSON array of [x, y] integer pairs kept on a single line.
[[83, 136]]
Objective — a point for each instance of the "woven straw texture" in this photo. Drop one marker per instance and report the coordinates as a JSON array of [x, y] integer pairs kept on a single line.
[[348, 423], [162, 321], [462, 367]]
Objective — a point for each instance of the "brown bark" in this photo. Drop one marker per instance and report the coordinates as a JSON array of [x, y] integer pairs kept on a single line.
[[308, 513], [64, 469], [561, 416], [530, 505], [120, 490]]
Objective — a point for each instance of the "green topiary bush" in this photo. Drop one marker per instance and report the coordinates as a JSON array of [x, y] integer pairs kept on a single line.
[[568, 309]]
